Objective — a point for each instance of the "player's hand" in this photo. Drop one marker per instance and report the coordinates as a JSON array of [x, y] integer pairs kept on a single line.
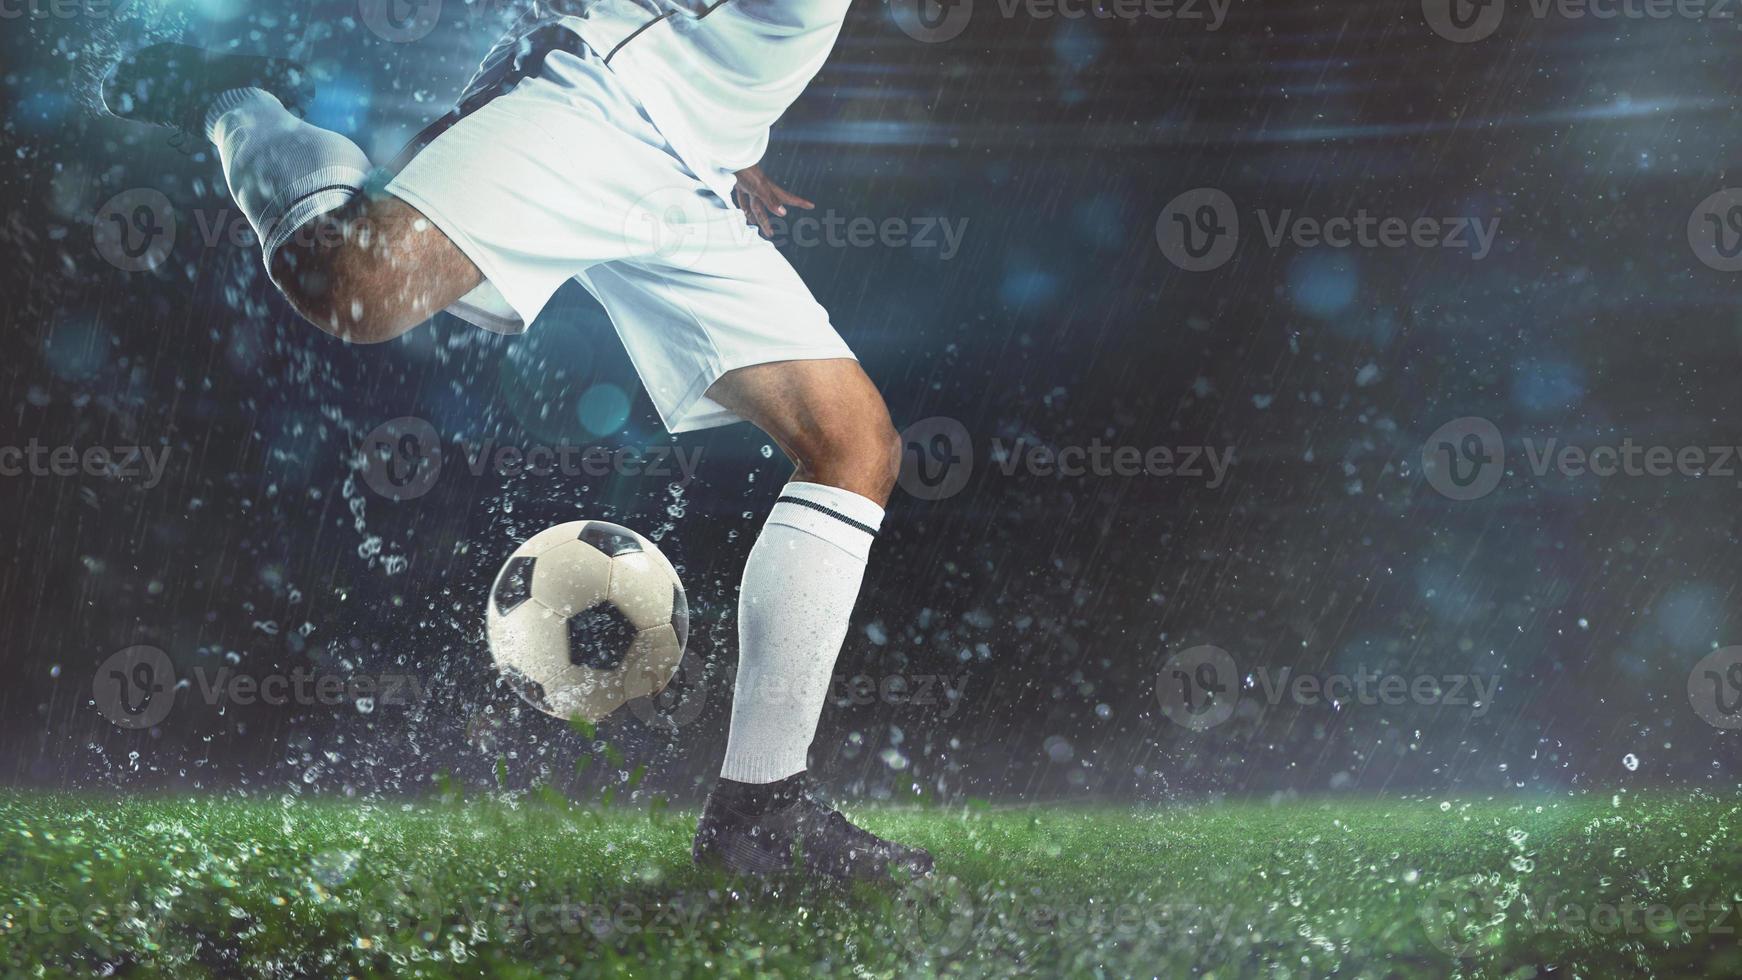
[[760, 197]]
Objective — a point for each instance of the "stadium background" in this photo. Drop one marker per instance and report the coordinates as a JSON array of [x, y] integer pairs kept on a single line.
[[1051, 602]]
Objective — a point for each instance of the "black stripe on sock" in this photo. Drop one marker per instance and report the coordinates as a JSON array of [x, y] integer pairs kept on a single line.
[[837, 515], [353, 188]]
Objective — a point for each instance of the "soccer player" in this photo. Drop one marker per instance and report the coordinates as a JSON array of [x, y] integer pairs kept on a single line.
[[615, 142]]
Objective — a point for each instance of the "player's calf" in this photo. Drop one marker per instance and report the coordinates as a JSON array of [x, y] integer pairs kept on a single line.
[[371, 270]]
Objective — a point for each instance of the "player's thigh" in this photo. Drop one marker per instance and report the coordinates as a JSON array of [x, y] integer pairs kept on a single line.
[[799, 402]]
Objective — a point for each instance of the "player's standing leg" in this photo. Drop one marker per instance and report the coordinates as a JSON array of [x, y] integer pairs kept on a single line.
[[800, 585]]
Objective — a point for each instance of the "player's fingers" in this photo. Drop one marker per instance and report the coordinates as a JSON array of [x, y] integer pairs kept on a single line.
[[761, 214], [788, 197]]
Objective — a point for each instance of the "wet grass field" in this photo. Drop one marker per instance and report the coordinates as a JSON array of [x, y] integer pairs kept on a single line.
[[1591, 886]]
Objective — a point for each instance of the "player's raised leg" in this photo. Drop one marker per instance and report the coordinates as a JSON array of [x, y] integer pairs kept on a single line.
[[371, 270], [365, 268], [800, 584]]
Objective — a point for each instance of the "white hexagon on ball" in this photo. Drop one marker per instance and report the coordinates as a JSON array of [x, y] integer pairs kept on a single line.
[[585, 616]]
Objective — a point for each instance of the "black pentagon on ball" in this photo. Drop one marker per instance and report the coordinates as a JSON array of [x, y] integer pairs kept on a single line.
[[680, 615], [610, 538], [599, 637], [514, 585]]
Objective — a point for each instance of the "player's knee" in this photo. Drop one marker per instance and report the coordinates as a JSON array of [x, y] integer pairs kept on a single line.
[[888, 459], [859, 453]]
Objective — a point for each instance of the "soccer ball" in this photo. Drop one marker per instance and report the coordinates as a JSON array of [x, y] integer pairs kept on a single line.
[[586, 616]]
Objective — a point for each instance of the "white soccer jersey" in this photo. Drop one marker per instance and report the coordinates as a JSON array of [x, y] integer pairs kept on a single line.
[[713, 76]]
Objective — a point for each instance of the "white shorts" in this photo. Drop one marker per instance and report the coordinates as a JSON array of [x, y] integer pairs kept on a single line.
[[563, 176]]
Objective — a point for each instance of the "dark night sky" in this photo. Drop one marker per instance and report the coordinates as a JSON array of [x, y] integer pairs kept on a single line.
[[1052, 602]]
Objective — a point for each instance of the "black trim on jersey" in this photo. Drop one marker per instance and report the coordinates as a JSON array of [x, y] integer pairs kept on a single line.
[[837, 515], [716, 5], [539, 43], [636, 34], [512, 70]]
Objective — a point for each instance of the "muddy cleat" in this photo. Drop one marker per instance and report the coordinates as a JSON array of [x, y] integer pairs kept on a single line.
[[174, 84], [780, 828]]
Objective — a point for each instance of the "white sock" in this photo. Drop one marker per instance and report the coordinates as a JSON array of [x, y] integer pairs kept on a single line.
[[283, 172], [800, 585]]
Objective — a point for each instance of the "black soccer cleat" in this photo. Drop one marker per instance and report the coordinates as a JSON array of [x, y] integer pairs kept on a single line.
[[174, 84], [782, 829]]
